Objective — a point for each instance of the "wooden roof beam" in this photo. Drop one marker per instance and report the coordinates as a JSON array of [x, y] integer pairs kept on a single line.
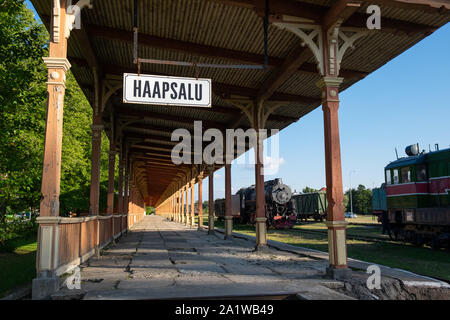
[[294, 60], [161, 116], [225, 90], [339, 12], [316, 13], [189, 47]]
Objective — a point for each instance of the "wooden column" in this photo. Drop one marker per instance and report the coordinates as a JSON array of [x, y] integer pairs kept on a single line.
[[176, 206], [182, 211], [192, 221], [336, 223], [179, 206], [200, 202], [261, 238], [46, 281], [97, 129], [126, 188], [111, 174], [121, 187], [211, 203], [228, 212]]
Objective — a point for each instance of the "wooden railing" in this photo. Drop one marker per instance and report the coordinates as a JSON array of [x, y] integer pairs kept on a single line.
[[79, 238]]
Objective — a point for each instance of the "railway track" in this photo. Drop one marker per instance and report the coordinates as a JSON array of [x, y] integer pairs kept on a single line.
[[350, 237]]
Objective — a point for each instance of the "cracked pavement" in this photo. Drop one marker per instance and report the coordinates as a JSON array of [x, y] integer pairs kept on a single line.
[[159, 259]]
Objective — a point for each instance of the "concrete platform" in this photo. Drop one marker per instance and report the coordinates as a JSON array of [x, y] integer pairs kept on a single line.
[[159, 259]]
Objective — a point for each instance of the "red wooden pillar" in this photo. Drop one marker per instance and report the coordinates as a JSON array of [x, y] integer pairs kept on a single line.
[[126, 188], [192, 190], [97, 129], [336, 223], [179, 206], [211, 203], [121, 187], [182, 211], [111, 174], [200, 202], [46, 281], [228, 212], [261, 229]]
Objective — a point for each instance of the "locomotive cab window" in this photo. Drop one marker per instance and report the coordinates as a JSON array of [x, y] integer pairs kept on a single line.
[[406, 175], [396, 176], [421, 173], [388, 177]]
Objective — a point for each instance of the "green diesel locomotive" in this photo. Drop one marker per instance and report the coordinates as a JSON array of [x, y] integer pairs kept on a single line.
[[416, 196]]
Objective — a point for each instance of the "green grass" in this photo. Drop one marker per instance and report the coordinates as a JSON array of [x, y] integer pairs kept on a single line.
[[352, 229], [17, 264], [369, 219], [422, 260]]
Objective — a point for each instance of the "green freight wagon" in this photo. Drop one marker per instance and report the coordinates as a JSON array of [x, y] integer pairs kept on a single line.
[[379, 200], [311, 205]]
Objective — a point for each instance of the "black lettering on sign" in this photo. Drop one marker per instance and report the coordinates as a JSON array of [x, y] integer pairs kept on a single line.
[[147, 92], [182, 92], [156, 90], [137, 88], [198, 92], [189, 92], [165, 88], [173, 86]]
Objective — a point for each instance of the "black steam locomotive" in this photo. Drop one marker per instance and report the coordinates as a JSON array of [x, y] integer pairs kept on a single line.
[[280, 208]]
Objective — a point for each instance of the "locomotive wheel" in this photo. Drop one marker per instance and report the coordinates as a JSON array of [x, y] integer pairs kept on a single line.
[[435, 243], [419, 240], [394, 235]]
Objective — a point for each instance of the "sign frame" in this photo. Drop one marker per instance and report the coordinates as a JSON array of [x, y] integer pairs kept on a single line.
[[181, 104]]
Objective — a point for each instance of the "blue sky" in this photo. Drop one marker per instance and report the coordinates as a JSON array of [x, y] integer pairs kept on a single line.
[[404, 102]]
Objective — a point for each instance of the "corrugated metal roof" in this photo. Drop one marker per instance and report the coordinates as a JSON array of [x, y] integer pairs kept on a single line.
[[227, 27]]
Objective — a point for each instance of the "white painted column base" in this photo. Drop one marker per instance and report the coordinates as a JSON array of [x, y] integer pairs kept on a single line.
[[261, 231], [228, 227]]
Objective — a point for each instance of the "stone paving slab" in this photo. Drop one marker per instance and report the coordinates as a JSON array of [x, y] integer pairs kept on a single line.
[[159, 259]]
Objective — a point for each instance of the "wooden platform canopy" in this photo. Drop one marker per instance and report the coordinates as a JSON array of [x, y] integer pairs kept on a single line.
[[315, 49], [222, 32]]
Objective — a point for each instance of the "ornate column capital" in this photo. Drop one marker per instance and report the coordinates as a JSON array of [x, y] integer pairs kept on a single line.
[[57, 69], [113, 153], [329, 82], [330, 88], [97, 127], [57, 63], [96, 131]]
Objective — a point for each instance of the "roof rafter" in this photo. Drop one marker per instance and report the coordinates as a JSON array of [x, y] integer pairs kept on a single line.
[[316, 13]]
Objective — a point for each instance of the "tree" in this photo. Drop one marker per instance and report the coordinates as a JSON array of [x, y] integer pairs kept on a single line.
[[309, 190], [23, 104], [361, 198], [22, 92]]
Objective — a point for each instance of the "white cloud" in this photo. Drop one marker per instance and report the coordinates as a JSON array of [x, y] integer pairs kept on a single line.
[[217, 176], [272, 165]]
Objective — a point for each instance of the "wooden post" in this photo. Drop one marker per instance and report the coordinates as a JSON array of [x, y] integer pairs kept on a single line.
[[261, 238], [182, 211], [228, 212], [336, 223], [192, 221], [179, 206], [46, 281], [120, 196], [211, 203], [200, 202], [97, 128], [126, 188], [111, 174]]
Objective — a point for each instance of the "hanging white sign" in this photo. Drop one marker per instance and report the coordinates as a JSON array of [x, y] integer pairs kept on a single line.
[[164, 90]]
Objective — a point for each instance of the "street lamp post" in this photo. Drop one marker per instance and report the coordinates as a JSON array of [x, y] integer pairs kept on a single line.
[[351, 201]]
